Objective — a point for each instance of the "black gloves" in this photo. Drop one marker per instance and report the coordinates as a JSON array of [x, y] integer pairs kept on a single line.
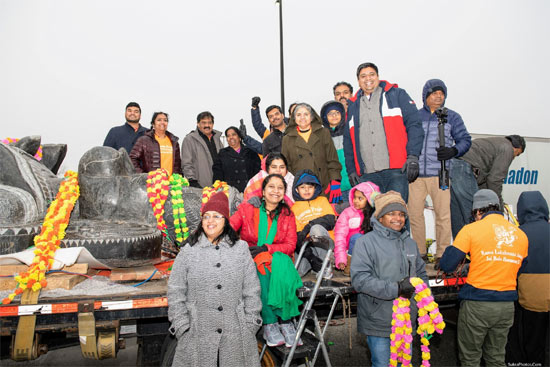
[[242, 129], [194, 183], [255, 250], [255, 102], [302, 235], [353, 179], [446, 153], [404, 288], [411, 167]]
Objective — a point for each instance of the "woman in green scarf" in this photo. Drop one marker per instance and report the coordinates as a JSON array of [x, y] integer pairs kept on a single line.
[[268, 225]]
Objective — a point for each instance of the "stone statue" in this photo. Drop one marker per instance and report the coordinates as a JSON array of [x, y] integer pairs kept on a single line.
[[112, 218]]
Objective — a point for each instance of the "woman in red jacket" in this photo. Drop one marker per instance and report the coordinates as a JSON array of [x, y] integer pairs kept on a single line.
[[268, 226]]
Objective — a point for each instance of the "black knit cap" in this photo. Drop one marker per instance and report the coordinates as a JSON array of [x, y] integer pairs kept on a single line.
[[435, 89]]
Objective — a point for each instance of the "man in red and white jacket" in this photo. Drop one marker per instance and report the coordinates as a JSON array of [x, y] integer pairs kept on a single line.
[[383, 136]]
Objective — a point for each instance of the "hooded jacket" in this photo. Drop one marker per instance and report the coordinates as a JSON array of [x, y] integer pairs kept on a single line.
[[196, 159], [337, 134], [456, 134], [318, 154], [381, 258], [145, 154], [350, 220], [402, 124], [534, 276], [316, 210]]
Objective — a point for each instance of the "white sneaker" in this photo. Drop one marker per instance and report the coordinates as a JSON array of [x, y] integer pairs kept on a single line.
[[272, 335], [289, 333], [327, 274]]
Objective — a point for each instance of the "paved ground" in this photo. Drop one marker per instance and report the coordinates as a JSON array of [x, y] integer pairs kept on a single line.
[[443, 350]]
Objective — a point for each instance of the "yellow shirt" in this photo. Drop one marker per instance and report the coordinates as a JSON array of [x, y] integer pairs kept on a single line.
[[166, 154]]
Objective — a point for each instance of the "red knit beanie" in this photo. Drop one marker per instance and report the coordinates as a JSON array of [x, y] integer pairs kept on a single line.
[[218, 202]]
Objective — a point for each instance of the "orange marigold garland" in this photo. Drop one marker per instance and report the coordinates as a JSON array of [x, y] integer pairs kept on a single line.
[[157, 192], [47, 242]]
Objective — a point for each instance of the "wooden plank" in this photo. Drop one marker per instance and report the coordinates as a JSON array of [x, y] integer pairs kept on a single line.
[[134, 274], [55, 280]]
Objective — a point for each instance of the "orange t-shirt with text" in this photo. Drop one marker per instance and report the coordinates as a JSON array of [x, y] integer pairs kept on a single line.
[[497, 249], [166, 154]]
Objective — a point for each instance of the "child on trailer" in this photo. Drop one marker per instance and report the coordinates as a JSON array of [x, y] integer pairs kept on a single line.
[[315, 218], [353, 222]]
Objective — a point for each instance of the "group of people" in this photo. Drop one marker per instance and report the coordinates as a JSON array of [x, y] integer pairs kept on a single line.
[[352, 177]]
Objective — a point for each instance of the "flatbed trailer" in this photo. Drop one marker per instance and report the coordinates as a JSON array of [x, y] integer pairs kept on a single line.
[[101, 323]]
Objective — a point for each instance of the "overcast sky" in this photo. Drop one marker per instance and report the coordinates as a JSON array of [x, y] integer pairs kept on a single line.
[[68, 68]]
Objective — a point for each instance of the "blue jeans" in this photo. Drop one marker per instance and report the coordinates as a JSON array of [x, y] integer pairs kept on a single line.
[[389, 179], [379, 350], [352, 241], [463, 188]]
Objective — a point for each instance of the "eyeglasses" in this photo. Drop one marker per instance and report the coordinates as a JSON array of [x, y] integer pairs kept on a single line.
[[334, 113], [215, 217]]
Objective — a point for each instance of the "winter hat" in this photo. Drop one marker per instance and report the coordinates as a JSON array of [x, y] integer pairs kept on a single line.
[[218, 202], [388, 202], [483, 198]]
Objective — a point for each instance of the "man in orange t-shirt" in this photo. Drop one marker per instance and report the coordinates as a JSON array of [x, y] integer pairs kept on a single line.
[[497, 249]]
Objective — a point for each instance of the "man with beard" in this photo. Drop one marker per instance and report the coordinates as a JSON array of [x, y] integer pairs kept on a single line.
[[125, 136], [199, 151], [342, 92]]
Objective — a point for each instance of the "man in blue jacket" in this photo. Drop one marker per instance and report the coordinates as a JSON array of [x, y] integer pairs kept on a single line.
[[457, 142], [125, 136], [383, 135]]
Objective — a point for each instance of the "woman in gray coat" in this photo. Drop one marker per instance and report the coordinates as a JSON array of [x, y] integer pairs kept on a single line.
[[214, 295]]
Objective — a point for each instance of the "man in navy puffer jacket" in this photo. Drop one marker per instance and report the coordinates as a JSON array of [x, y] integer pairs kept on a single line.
[[457, 142]]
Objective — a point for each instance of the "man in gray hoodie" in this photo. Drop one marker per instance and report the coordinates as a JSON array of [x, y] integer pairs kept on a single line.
[[382, 264]]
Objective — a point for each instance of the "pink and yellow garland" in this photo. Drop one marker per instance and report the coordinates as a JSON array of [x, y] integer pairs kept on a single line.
[[430, 320], [157, 192], [47, 242], [38, 154]]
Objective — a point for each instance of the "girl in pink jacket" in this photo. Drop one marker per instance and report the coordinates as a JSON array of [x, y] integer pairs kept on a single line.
[[354, 221]]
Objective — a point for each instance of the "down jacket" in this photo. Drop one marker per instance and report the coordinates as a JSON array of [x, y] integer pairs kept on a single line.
[[318, 154], [246, 220], [214, 305], [456, 134], [381, 258], [349, 222], [402, 125], [145, 154]]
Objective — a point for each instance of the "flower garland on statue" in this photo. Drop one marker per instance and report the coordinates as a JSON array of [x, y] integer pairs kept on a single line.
[[47, 242], [177, 182], [157, 193], [430, 320], [38, 154], [210, 190]]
